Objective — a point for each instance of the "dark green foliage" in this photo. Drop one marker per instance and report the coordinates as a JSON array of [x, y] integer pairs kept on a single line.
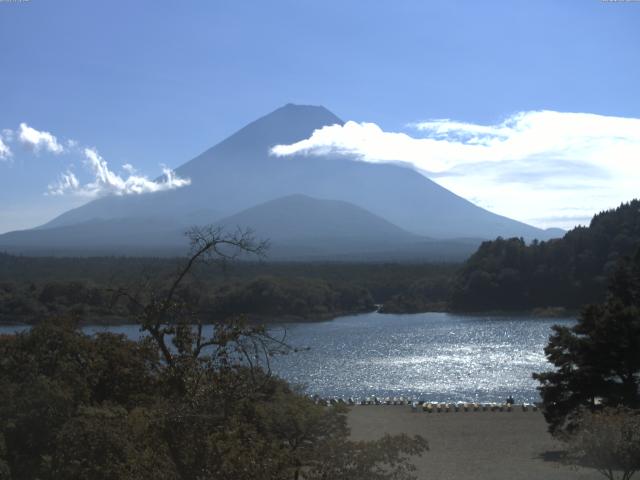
[[33, 288], [179, 405], [110, 443], [103, 407], [27, 301], [5, 472], [48, 373], [301, 297], [598, 360], [507, 274], [425, 295]]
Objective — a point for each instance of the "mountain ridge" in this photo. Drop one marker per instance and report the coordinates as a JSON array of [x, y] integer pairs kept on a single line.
[[239, 173]]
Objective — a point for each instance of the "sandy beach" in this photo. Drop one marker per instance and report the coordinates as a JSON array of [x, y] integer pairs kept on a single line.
[[472, 445]]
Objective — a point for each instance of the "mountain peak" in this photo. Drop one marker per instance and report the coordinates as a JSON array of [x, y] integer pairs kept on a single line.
[[305, 118], [296, 108], [285, 125], [292, 121]]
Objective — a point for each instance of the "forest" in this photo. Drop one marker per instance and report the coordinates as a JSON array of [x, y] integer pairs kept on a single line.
[[503, 275], [35, 287], [508, 274]]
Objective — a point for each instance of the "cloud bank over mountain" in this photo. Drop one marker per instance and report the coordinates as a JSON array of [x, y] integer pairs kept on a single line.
[[523, 167]]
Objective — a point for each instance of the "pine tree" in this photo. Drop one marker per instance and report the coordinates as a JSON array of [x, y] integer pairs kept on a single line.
[[597, 360]]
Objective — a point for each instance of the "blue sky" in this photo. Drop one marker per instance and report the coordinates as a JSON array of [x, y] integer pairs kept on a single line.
[[152, 83]]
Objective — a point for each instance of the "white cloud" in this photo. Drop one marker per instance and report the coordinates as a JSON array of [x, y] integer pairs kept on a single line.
[[66, 182], [5, 151], [130, 169], [104, 181], [525, 167], [107, 182], [37, 140], [7, 133]]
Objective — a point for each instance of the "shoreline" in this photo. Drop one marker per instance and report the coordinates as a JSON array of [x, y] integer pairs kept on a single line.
[[285, 319], [431, 406]]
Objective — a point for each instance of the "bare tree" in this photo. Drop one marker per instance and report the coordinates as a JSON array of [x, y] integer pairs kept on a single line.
[[177, 326]]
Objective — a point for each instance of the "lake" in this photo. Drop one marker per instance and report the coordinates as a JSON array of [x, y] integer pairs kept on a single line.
[[430, 356]]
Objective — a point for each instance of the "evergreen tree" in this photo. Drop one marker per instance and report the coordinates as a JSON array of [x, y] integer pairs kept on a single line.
[[509, 274], [597, 360]]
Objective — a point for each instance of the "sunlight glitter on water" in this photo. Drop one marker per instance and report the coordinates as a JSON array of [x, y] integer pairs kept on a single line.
[[440, 357], [430, 356]]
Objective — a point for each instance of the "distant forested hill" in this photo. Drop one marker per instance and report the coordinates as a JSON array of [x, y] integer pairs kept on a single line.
[[508, 274], [34, 288]]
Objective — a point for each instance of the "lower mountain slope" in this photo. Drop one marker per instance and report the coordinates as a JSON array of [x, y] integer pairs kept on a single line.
[[239, 173], [118, 236], [298, 227], [306, 219]]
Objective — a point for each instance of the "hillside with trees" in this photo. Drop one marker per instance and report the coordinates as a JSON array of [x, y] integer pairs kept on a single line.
[[262, 299], [33, 288], [509, 274], [300, 298]]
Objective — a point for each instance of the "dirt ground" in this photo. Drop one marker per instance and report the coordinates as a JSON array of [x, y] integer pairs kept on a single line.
[[472, 445]]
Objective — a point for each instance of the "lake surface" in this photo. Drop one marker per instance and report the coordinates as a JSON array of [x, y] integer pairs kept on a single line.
[[429, 356]]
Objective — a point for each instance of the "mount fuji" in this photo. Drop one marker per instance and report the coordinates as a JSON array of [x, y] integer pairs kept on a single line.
[[309, 206]]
